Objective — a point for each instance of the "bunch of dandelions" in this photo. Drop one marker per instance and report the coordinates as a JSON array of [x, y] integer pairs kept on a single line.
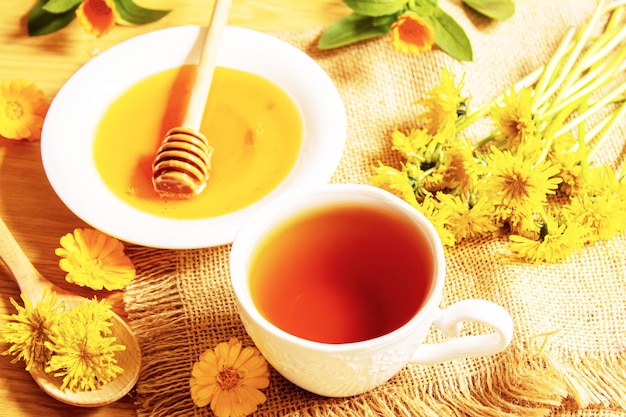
[[532, 177], [74, 344]]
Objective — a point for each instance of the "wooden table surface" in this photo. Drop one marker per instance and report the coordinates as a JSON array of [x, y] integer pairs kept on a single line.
[[28, 204]]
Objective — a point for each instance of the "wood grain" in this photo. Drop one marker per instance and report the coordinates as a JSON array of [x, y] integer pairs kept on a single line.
[[29, 206]]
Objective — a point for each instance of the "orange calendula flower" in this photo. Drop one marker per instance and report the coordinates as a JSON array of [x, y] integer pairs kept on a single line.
[[230, 378], [97, 17], [23, 107], [411, 33], [95, 260]]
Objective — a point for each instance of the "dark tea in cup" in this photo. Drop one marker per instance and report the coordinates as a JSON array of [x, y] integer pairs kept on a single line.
[[342, 273]]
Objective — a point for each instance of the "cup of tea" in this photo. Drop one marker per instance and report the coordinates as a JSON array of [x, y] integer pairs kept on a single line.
[[338, 287]]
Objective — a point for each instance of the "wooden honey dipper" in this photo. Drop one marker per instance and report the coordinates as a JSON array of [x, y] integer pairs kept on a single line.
[[181, 167]]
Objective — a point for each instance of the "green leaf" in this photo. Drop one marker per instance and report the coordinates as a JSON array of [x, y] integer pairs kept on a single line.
[[450, 36], [61, 6], [494, 9], [417, 4], [376, 7], [40, 22], [351, 29], [135, 14], [384, 20]]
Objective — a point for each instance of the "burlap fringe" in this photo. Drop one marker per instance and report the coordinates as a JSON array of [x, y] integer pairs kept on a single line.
[[520, 382], [523, 385], [162, 389]]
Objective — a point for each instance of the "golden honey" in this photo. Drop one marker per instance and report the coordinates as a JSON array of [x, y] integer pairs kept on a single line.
[[252, 124]]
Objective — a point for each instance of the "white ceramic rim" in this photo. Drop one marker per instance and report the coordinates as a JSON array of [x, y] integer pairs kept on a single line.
[[67, 151], [293, 202]]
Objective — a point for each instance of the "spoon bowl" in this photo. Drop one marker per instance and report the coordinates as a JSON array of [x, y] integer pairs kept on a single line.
[[32, 284]]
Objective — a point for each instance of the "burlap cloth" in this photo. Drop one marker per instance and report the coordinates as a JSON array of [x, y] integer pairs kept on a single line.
[[567, 357]]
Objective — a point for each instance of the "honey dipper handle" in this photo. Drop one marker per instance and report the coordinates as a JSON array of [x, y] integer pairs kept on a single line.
[[30, 281], [206, 66]]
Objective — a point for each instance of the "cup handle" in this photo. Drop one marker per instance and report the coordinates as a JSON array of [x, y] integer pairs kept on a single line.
[[450, 321]]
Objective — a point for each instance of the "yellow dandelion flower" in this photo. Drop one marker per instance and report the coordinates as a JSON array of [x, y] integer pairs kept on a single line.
[[420, 147], [466, 221], [30, 329], [412, 145], [395, 181], [23, 107], [81, 353], [443, 104], [528, 225], [556, 242], [603, 209], [97, 313], [97, 17], [438, 215], [229, 378], [435, 180], [461, 168], [568, 156], [410, 33], [515, 119], [603, 180], [517, 184], [94, 259]]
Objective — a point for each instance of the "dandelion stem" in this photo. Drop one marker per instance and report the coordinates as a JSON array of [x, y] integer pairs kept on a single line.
[[484, 141], [582, 132], [593, 56], [550, 69], [598, 49], [595, 79], [615, 5], [580, 40], [552, 132], [593, 132], [610, 124], [593, 108]]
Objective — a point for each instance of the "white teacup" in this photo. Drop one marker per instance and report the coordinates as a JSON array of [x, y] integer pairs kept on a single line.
[[338, 324]]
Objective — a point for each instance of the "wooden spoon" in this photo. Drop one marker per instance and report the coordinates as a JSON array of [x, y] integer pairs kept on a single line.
[[181, 167], [32, 285]]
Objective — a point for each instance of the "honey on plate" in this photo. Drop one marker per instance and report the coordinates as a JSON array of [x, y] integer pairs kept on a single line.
[[252, 124]]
